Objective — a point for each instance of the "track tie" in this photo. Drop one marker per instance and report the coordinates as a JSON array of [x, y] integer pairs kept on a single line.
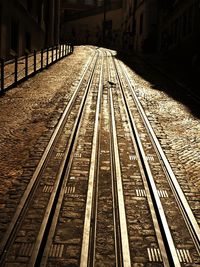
[[141, 193], [133, 157], [56, 250], [163, 193], [154, 254], [127, 134], [70, 190], [48, 189], [59, 155], [26, 249], [150, 158], [184, 255], [77, 155]]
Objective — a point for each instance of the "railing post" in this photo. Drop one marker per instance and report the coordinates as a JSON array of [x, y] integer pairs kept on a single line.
[[16, 69], [52, 51], [26, 65], [59, 51], [2, 73], [56, 52], [34, 60], [47, 56], [42, 52]]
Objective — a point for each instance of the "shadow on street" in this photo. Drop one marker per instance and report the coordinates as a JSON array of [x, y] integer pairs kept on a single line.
[[160, 81]]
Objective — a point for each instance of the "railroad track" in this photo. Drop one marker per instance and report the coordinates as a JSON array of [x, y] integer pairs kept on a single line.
[[147, 152], [103, 193], [42, 193]]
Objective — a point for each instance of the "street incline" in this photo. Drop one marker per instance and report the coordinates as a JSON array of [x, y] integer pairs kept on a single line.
[[102, 182]]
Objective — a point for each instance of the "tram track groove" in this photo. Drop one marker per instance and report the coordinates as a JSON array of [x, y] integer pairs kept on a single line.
[[59, 187], [86, 243], [179, 258], [168, 252], [183, 204], [32, 186], [88, 118], [103, 225], [70, 219], [117, 178]]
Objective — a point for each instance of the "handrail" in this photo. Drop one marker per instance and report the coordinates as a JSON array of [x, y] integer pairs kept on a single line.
[[41, 59]]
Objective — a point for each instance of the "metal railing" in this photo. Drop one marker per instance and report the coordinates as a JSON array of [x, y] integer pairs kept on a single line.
[[21, 68]]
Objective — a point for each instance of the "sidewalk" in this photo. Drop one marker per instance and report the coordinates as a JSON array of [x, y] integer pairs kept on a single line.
[[28, 112]]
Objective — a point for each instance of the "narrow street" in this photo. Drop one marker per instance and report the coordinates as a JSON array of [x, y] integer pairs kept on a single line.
[[99, 166]]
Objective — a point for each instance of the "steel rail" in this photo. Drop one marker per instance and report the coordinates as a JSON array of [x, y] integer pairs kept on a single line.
[[117, 239], [86, 243], [124, 257], [167, 247], [94, 214], [9, 235], [48, 225], [182, 202], [59, 203]]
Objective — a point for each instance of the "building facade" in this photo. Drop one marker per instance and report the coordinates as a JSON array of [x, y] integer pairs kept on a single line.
[[168, 27], [92, 22], [26, 25], [141, 24], [179, 28], [128, 24]]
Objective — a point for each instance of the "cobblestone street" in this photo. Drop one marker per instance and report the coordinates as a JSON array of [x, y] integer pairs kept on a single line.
[[28, 112], [31, 111]]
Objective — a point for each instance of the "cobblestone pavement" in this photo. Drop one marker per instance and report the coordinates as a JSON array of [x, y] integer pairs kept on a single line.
[[175, 119], [30, 111]]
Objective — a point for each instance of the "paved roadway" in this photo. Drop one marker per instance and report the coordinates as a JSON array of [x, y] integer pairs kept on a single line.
[[103, 195]]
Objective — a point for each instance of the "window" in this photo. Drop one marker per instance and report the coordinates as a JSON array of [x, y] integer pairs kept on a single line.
[[176, 30], [141, 24], [107, 25], [100, 2], [89, 2], [29, 5], [28, 41], [72, 1], [14, 40], [66, 14], [184, 24], [190, 20], [134, 26], [39, 11]]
